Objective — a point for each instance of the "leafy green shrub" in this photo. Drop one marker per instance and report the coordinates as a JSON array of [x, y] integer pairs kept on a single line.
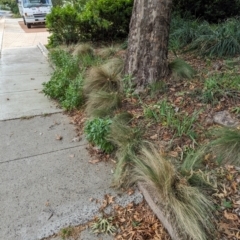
[[97, 131], [106, 19], [63, 23], [89, 20], [73, 96], [13, 6], [66, 82]]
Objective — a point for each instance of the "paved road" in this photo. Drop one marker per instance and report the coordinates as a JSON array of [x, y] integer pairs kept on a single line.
[[45, 184]]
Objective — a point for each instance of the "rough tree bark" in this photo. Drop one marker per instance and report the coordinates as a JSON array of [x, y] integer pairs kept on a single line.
[[148, 41]]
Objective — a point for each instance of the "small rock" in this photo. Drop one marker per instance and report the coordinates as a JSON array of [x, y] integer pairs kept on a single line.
[[224, 118]]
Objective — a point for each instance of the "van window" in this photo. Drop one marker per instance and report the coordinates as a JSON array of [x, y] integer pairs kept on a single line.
[[36, 3]]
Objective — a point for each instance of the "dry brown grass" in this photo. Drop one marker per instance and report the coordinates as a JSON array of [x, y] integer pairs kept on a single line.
[[191, 209], [104, 78], [107, 52], [102, 103], [82, 49], [128, 141]]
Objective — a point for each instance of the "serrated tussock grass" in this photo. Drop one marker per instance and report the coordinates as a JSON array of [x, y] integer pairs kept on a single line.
[[103, 89], [102, 103], [83, 49], [191, 168], [128, 141], [190, 208], [226, 145], [107, 52], [181, 69], [106, 77]]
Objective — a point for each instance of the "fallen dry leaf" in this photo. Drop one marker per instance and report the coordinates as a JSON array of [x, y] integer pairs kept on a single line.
[[230, 216], [72, 155], [94, 161], [58, 137], [154, 137], [173, 154], [130, 191]]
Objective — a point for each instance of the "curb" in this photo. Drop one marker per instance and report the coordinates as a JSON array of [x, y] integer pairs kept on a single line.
[[43, 49], [45, 53], [2, 25], [158, 212]]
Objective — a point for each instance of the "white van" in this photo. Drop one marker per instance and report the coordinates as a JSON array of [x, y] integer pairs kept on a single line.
[[34, 11]]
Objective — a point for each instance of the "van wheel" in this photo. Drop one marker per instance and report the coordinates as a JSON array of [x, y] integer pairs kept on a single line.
[[24, 21], [29, 25]]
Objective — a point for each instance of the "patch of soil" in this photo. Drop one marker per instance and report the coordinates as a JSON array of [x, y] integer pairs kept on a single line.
[[34, 28]]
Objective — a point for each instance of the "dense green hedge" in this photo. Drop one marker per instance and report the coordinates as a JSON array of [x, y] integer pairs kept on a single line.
[[212, 11], [89, 20]]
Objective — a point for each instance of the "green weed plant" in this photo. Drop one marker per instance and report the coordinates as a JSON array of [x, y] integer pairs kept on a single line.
[[97, 131]]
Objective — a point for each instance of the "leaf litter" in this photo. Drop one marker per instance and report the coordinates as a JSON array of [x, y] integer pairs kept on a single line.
[[184, 96]]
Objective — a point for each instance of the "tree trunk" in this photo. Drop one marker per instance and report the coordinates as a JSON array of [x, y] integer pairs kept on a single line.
[[148, 41]]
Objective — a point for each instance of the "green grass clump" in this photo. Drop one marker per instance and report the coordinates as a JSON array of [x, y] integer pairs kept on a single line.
[[97, 131], [180, 123], [221, 85], [181, 69], [190, 208], [221, 40], [226, 145], [212, 40]]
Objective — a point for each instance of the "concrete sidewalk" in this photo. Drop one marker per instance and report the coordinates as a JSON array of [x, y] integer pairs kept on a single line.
[[46, 184]]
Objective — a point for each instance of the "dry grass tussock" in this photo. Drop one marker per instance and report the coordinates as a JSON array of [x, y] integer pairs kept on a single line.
[[102, 103], [127, 140], [226, 146], [104, 78], [181, 69], [190, 208], [82, 49], [107, 52], [67, 48]]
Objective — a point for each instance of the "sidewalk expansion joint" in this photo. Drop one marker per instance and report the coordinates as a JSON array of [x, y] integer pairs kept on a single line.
[[41, 154]]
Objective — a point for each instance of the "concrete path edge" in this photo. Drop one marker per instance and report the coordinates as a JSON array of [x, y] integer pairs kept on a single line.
[[158, 212], [43, 49]]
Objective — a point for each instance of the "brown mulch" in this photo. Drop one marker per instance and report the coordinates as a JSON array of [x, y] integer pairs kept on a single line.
[[183, 94]]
